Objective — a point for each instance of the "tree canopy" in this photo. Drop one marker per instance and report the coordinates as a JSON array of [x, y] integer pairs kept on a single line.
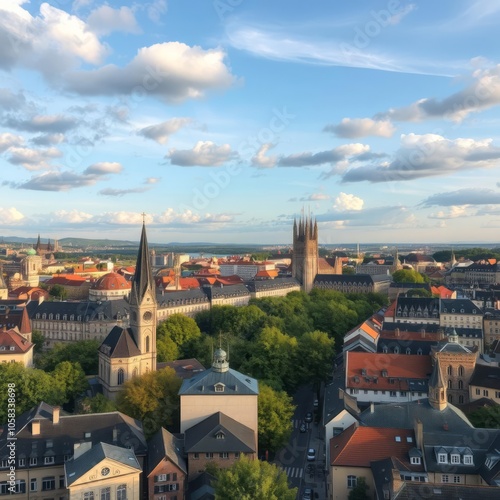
[[409, 276], [253, 480]]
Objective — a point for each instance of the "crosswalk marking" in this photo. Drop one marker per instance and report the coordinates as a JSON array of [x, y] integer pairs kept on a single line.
[[293, 472]]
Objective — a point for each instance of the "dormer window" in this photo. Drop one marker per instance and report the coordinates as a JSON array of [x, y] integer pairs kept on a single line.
[[442, 458], [455, 458], [219, 387], [468, 460], [220, 435], [415, 460]]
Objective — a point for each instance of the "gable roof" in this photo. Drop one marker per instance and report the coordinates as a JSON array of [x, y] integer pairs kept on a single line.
[[203, 437], [12, 342], [165, 444], [119, 343]]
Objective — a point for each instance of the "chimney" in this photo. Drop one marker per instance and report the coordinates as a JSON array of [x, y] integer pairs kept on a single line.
[[35, 427], [56, 413], [396, 331]]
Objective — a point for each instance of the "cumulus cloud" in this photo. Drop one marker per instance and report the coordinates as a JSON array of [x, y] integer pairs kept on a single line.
[[428, 155], [103, 168], [453, 213], [10, 215], [48, 139], [161, 132], [323, 157], [8, 140], [461, 197], [171, 71], [482, 93], [352, 128], [33, 159], [346, 201], [171, 217], [260, 160], [10, 101], [42, 123], [203, 154], [72, 216], [105, 20]]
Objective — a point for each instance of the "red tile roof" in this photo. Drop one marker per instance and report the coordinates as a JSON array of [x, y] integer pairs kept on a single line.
[[11, 338], [358, 446]]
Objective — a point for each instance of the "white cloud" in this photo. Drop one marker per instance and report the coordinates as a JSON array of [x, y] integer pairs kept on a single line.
[[352, 128], [346, 201], [203, 154], [10, 216], [260, 160], [332, 156], [8, 140], [103, 168], [171, 71], [161, 132], [33, 159], [72, 216], [454, 212], [105, 20]]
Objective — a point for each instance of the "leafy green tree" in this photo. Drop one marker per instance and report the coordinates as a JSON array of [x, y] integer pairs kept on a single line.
[[58, 292], [317, 351], [348, 270], [360, 491], [418, 292], [84, 352], [179, 328], [253, 480], [152, 398], [166, 349], [409, 276], [275, 418], [39, 340], [97, 404], [486, 417], [69, 380]]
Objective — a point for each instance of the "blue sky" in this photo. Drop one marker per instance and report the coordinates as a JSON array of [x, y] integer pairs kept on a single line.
[[222, 120]]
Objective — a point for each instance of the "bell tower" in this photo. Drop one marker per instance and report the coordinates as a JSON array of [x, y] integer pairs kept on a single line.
[[305, 252]]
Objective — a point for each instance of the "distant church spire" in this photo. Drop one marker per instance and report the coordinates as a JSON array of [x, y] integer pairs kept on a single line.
[[143, 277], [305, 252]]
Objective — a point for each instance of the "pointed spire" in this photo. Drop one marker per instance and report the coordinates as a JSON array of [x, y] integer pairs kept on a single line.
[[38, 243], [143, 277]]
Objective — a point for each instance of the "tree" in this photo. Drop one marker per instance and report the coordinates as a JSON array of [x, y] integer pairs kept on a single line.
[[58, 292], [39, 340], [84, 352], [275, 418], [166, 350], [152, 398], [360, 491], [253, 480], [317, 351], [348, 270], [409, 276], [97, 404], [486, 417], [69, 380], [179, 328]]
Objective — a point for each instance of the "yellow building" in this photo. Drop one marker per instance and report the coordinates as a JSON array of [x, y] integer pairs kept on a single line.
[[14, 348]]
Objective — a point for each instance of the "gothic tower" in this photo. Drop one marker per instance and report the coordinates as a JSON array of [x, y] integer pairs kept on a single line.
[[143, 304], [305, 252], [437, 389]]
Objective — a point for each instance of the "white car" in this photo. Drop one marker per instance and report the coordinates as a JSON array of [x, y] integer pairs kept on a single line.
[[311, 454]]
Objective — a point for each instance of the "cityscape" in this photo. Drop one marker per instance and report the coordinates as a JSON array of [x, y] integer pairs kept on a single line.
[[249, 250]]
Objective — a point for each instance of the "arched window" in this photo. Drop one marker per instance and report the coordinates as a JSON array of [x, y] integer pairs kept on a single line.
[[450, 384], [460, 384], [121, 492], [147, 343], [134, 373], [450, 398], [461, 399], [121, 376], [450, 370], [460, 371]]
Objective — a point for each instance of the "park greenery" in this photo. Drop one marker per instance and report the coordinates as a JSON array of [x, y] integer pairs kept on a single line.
[[409, 276], [487, 417], [250, 479]]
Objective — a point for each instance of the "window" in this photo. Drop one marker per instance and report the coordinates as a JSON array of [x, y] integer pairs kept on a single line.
[[121, 492], [209, 455], [121, 376], [445, 478], [88, 495], [393, 394], [468, 460], [106, 493], [478, 392], [456, 479], [219, 387], [33, 461], [455, 459], [163, 477], [450, 370], [351, 481], [22, 462], [461, 400], [450, 384], [147, 343], [48, 483], [61, 482], [237, 454], [19, 487], [196, 456], [485, 392], [224, 454], [48, 460], [408, 350], [442, 458], [460, 371], [415, 460], [4, 464], [33, 485], [419, 352]]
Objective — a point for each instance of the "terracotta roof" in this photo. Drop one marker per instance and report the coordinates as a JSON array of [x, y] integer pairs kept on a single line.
[[358, 446], [380, 371], [272, 273], [112, 281], [67, 280], [12, 339]]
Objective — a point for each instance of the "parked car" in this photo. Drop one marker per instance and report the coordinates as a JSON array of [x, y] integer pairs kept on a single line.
[[309, 417], [311, 454], [307, 494], [303, 427], [316, 403]]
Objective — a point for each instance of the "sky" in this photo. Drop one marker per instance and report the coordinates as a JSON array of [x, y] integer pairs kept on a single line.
[[222, 120]]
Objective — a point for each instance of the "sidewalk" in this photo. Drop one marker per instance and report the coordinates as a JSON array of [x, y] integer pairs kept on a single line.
[[316, 480]]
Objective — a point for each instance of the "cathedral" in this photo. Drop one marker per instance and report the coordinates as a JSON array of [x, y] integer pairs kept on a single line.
[[127, 352]]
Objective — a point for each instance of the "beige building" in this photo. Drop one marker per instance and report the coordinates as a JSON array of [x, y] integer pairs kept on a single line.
[[14, 348], [485, 383], [127, 352]]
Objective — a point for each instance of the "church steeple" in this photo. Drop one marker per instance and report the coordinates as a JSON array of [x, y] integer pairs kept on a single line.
[[437, 389], [143, 277]]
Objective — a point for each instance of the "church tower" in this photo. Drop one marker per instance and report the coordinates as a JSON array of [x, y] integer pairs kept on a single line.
[[437, 388], [129, 352], [305, 252]]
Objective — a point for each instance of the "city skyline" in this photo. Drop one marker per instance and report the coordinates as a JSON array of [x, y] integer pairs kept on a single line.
[[224, 120]]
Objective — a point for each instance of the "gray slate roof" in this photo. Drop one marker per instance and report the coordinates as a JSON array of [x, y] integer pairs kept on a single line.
[[486, 376], [460, 306], [202, 437], [87, 310], [74, 469], [274, 284], [119, 343], [165, 444], [235, 383]]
